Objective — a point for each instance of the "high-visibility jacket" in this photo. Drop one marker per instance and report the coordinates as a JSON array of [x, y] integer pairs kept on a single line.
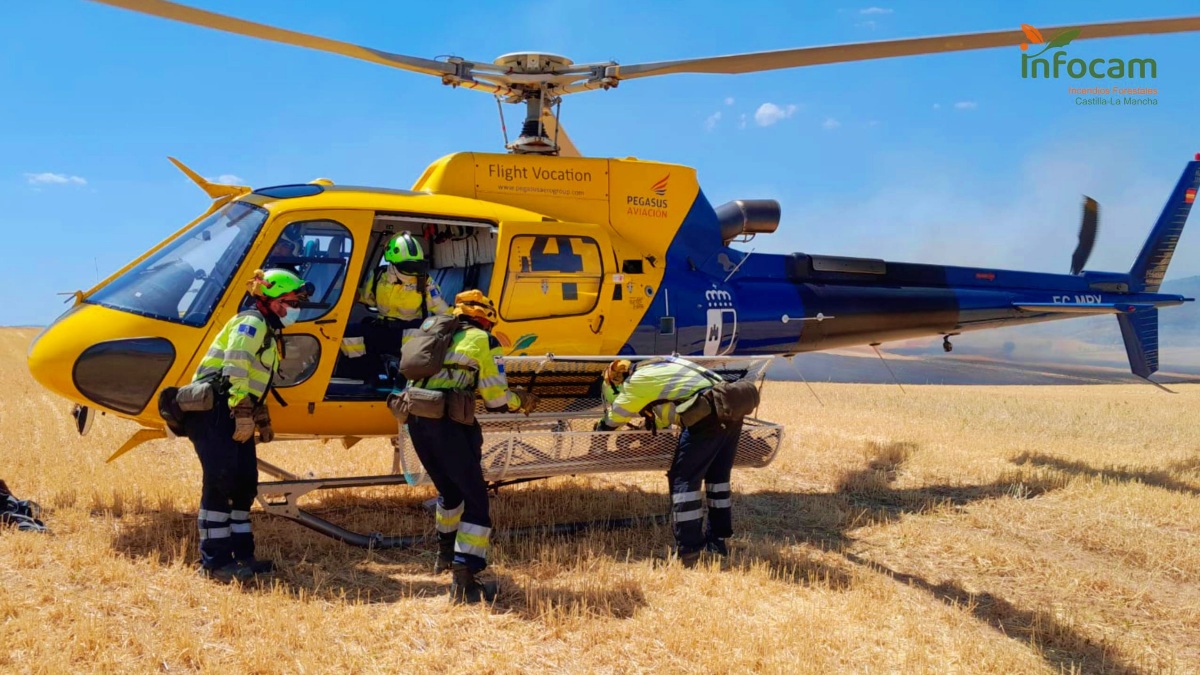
[[397, 297], [244, 353], [664, 415], [474, 361], [669, 380]]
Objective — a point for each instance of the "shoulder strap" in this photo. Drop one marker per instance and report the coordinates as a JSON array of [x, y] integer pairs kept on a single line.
[[421, 280], [708, 374], [379, 272]]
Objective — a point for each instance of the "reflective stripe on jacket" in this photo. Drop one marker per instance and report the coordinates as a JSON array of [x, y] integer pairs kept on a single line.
[[235, 356], [475, 361], [670, 378], [396, 295]]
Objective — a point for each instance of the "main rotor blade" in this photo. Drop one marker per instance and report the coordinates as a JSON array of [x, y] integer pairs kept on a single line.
[[555, 132], [199, 17], [1087, 234], [862, 51]]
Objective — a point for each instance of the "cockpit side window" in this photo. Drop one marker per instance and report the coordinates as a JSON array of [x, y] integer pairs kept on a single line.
[[183, 281]]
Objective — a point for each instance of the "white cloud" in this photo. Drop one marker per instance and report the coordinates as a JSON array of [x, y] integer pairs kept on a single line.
[[728, 100], [875, 10], [829, 124], [227, 179], [769, 113], [937, 106], [711, 122], [742, 121], [48, 178], [866, 24], [966, 105]]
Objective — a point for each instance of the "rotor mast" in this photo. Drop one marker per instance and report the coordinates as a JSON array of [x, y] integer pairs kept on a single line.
[[539, 80]]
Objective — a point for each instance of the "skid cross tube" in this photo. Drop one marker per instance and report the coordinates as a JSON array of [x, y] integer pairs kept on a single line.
[[292, 490]]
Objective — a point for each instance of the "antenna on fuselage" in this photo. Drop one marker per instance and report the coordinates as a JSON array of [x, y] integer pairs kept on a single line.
[[875, 346]]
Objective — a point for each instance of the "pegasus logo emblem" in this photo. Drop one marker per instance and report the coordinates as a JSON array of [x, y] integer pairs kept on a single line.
[[660, 188]]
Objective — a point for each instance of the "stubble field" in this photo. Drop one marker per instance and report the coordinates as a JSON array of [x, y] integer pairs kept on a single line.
[[938, 529]]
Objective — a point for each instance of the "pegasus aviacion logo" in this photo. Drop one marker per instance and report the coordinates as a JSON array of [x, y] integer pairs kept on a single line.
[[660, 188], [653, 207]]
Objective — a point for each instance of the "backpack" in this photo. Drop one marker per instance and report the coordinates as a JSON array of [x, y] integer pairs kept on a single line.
[[23, 513], [425, 352]]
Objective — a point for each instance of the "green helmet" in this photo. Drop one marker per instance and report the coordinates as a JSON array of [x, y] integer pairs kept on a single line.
[[279, 282], [403, 249]]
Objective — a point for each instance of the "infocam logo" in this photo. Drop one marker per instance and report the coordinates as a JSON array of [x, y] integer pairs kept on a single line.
[[1051, 67]]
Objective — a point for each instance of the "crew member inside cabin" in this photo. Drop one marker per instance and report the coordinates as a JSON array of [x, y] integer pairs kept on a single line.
[[404, 293]]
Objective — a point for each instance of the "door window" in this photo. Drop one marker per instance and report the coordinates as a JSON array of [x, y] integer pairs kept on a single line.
[[319, 252]]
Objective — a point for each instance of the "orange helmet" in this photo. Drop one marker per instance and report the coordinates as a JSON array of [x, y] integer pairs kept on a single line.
[[475, 304], [617, 371]]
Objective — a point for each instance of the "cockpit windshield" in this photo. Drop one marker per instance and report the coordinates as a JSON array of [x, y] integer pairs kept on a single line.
[[183, 281]]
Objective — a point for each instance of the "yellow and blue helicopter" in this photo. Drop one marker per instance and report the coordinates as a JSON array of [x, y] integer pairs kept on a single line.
[[585, 257]]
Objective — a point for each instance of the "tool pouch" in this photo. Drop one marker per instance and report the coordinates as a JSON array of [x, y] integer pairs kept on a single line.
[[418, 402], [196, 397], [734, 400], [460, 406], [691, 412], [170, 412]]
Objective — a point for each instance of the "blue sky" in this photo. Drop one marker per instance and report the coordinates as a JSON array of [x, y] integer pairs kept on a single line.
[[949, 159]]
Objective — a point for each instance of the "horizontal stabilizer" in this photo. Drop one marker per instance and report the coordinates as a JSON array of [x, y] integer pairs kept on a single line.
[[1140, 332], [1082, 307]]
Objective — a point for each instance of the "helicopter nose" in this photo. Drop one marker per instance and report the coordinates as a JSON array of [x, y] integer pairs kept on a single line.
[[88, 357]]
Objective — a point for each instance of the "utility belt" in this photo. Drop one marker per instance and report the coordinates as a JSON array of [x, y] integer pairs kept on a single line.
[[200, 396], [433, 404]]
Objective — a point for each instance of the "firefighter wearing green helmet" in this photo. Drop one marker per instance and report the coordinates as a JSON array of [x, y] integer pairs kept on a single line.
[[225, 405], [404, 294]]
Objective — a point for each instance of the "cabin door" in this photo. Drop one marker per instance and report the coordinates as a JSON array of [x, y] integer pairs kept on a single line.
[[550, 287]]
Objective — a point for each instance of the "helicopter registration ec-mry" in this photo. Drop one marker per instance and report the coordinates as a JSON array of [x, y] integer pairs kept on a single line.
[[586, 258]]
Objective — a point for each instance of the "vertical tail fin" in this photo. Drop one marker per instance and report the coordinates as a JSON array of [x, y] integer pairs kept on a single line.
[[1151, 265], [1140, 332]]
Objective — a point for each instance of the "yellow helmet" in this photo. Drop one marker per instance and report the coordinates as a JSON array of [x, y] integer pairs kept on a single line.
[[617, 371], [475, 304]]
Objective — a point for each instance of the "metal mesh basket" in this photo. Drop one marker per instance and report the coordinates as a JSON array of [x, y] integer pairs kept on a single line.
[[572, 384], [541, 448]]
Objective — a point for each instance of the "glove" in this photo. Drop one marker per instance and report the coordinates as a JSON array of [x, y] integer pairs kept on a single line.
[[528, 399], [243, 420], [262, 420]]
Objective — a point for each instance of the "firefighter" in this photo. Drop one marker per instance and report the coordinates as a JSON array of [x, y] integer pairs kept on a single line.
[[405, 294], [239, 365], [662, 391], [451, 451]]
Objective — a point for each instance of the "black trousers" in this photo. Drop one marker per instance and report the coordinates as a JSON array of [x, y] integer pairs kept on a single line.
[[383, 338], [229, 486], [705, 454], [451, 453]]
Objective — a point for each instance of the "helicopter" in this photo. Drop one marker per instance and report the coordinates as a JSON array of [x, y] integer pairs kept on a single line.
[[587, 259]]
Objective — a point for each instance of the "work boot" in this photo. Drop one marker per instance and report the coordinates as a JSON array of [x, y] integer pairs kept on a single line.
[[466, 589], [258, 566], [717, 545], [690, 559], [226, 573], [445, 552]]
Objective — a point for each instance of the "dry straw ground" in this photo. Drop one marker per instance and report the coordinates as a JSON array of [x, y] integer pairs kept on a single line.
[[946, 529]]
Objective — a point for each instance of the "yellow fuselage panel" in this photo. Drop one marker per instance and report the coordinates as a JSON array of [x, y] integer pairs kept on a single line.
[[643, 202]]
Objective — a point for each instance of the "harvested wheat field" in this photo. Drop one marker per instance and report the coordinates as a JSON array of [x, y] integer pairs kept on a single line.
[[938, 529]]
